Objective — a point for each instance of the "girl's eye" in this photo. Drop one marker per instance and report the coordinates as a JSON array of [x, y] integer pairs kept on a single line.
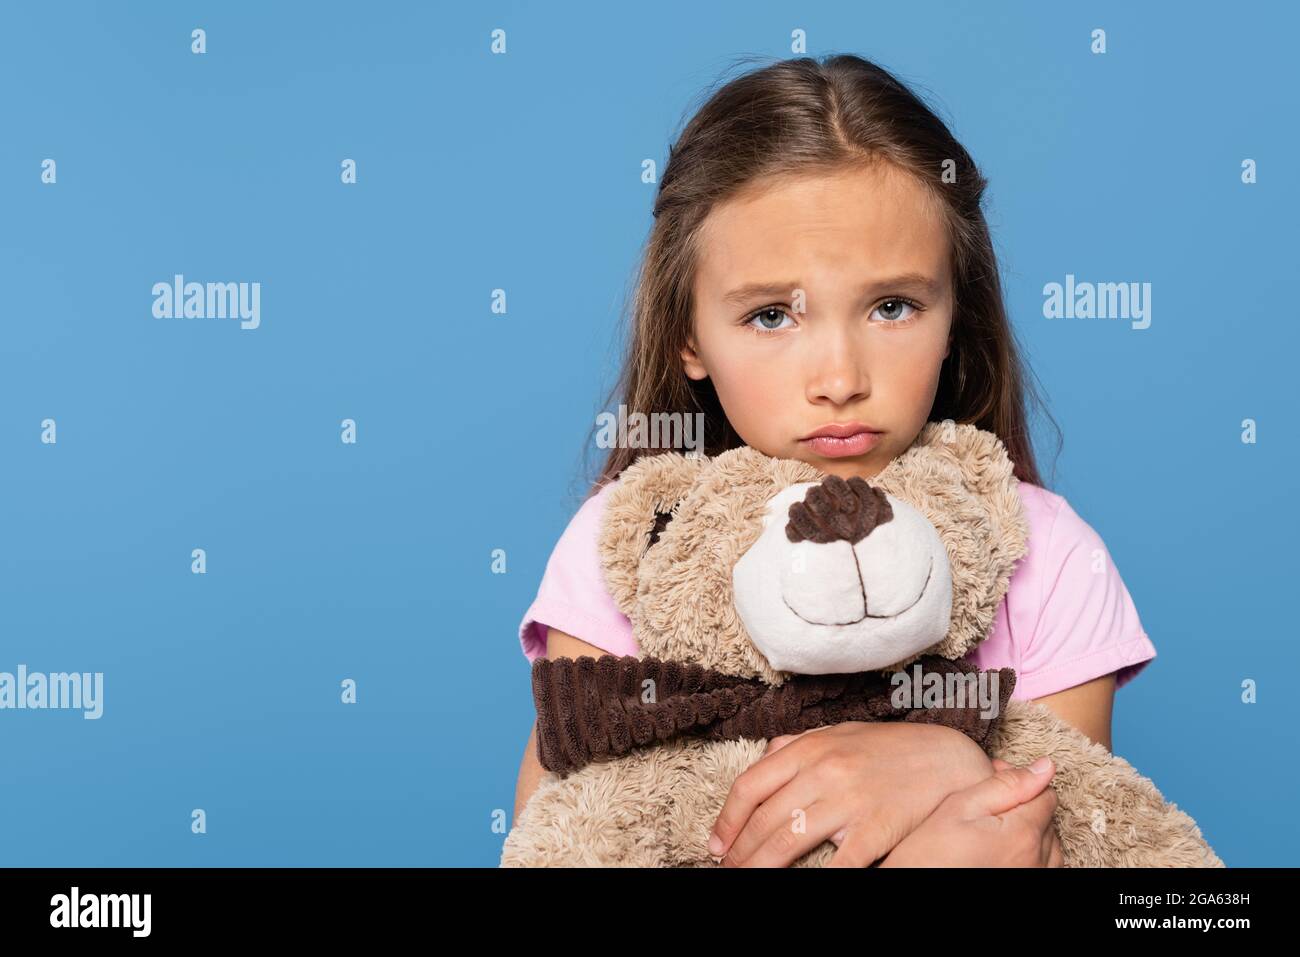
[[759, 321], [895, 311], [892, 310]]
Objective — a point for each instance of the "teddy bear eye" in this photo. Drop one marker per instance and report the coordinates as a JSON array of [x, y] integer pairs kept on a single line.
[[661, 522]]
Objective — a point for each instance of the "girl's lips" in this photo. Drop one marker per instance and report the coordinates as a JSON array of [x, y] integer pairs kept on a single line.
[[834, 448]]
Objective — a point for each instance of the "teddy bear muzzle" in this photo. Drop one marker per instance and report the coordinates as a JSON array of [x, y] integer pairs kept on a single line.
[[843, 578]]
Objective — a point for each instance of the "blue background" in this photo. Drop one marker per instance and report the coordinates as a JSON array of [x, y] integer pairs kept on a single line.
[[373, 561]]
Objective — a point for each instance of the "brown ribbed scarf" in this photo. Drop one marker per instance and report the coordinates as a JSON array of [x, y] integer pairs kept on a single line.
[[593, 709]]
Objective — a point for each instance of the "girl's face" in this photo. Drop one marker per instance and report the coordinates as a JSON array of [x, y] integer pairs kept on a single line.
[[824, 300]]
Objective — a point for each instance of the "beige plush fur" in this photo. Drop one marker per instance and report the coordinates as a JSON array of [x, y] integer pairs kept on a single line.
[[656, 806]]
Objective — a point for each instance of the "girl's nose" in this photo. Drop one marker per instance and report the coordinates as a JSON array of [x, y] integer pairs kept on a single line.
[[839, 374]]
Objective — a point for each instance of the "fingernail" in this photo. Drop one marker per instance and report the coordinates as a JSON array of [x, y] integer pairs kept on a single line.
[[715, 845], [1041, 765]]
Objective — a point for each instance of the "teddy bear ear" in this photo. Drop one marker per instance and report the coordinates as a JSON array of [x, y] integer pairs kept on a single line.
[[641, 505], [962, 479]]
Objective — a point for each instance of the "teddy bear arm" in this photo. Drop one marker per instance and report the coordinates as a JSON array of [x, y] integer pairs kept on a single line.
[[1108, 815], [652, 808], [578, 820]]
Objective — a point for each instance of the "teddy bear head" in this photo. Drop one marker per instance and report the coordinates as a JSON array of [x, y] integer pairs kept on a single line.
[[760, 567]]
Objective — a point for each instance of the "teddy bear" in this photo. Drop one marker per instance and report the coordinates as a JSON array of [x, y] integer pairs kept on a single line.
[[769, 598]]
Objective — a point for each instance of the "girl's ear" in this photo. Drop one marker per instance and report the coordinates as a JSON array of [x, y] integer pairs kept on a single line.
[[691, 363]]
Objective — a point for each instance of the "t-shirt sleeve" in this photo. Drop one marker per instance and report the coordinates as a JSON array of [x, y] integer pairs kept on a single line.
[[1087, 625], [572, 596]]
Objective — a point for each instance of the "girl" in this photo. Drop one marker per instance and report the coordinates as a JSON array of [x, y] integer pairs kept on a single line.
[[819, 263]]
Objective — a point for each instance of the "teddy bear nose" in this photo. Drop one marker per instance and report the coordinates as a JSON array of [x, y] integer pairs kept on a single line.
[[853, 557], [838, 510], [822, 582]]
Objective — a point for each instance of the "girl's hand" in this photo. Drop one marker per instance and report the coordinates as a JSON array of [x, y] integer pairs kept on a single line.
[[863, 785], [1004, 821]]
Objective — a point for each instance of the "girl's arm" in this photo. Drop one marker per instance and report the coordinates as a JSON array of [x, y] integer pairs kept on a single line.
[[530, 773], [558, 645], [927, 761], [863, 785], [1023, 836], [849, 782], [1086, 707], [1004, 821]]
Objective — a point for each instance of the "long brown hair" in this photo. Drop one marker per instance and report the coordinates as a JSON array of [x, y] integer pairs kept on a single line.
[[801, 116]]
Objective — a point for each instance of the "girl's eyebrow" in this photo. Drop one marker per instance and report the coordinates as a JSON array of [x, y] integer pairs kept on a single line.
[[927, 285]]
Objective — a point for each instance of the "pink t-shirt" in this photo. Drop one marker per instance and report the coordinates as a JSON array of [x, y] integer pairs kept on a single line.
[[1067, 617]]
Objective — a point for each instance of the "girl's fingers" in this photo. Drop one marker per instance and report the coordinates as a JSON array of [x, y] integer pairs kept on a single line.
[[797, 831], [781, 740], [755, 785], [1000, 765], [1056, 858], [1008, 788], [861, 847], [781, 817], [1037, 813], [1049, 846]]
